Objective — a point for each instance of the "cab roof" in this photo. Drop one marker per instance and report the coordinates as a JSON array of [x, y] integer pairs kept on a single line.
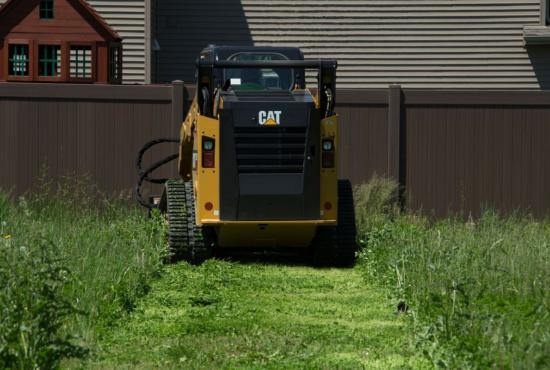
[[223, 52]]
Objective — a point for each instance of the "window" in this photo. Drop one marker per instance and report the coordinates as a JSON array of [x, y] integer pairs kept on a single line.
[[46, 9], [18, 60], [49, 61], [115, 64], [259, 78], [80, 59]]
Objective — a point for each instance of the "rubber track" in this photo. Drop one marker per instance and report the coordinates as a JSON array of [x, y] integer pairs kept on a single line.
[[177, 220], [337, 245], [200, 247], [186, 240]]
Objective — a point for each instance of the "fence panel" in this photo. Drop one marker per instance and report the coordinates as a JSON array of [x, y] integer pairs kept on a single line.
[[465, 158], [362, 141], [82, 129], [453, 151]]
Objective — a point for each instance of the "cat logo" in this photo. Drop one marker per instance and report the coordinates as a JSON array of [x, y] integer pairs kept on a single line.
[[269, 118]]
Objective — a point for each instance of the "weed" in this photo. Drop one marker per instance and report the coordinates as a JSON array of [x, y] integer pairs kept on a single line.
[[477, 290], [72, 262], [376, 202], [34, 308]]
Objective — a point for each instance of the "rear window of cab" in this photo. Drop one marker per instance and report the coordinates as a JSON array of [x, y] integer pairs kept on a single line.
[[259, 78]]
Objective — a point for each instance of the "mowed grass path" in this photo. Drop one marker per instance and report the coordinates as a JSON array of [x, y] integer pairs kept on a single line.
[[259, 316]]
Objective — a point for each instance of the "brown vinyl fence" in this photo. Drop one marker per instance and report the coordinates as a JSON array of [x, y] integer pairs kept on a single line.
[[452, 151], [83, 129]]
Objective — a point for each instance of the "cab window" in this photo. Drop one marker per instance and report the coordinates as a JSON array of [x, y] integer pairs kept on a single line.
[[259, 78]]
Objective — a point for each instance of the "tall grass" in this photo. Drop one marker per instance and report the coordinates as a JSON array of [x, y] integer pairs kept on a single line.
[[71, 262], [478, 291]]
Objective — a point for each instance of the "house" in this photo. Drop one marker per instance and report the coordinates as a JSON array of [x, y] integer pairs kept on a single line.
[[435, 44], [57, 41]]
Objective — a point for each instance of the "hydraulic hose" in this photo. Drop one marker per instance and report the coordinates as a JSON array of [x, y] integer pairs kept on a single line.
[[143, 174]]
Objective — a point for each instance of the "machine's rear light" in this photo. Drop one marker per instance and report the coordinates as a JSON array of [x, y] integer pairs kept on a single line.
[[208, 152], [208, 144], [328, 153]]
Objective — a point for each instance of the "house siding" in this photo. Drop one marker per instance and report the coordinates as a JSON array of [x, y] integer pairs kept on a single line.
[[184, 28], [127, 17], [470, 44]]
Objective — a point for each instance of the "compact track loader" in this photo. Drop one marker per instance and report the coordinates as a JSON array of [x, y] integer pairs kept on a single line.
[[258, 160]]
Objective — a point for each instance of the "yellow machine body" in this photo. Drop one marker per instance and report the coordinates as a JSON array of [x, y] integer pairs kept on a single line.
[[253, 233]]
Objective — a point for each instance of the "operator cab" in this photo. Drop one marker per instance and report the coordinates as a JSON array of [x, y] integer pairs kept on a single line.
[[255, 79]]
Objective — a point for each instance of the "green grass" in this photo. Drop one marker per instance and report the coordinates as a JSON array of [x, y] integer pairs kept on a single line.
[[83, 286], [260, 316], [478, 291], [71, 262]]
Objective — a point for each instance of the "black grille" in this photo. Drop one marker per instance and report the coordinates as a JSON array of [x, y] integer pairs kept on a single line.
[[270, 149]]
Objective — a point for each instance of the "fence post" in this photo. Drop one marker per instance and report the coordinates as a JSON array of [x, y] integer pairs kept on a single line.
[[177, 105], [394, 133]]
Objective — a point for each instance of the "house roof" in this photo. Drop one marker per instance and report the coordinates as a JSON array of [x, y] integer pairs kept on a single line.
[[94, 18]]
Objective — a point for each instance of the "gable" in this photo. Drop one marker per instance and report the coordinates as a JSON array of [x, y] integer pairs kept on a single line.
[[72, 20]]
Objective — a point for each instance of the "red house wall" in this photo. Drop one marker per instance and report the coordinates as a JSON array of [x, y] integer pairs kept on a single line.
[[71, 24]]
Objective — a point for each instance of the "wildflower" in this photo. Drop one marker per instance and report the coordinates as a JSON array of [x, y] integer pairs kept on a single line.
[[7, 236]]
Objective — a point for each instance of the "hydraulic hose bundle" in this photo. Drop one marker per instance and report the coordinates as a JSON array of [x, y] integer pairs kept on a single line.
[[144, 174]]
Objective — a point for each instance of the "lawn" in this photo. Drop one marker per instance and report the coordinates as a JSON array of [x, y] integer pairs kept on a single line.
[[84, 286], [227, 315]]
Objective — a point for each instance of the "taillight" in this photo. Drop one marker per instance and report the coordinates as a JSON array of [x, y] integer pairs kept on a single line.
[[208, 151], [328, 153]]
